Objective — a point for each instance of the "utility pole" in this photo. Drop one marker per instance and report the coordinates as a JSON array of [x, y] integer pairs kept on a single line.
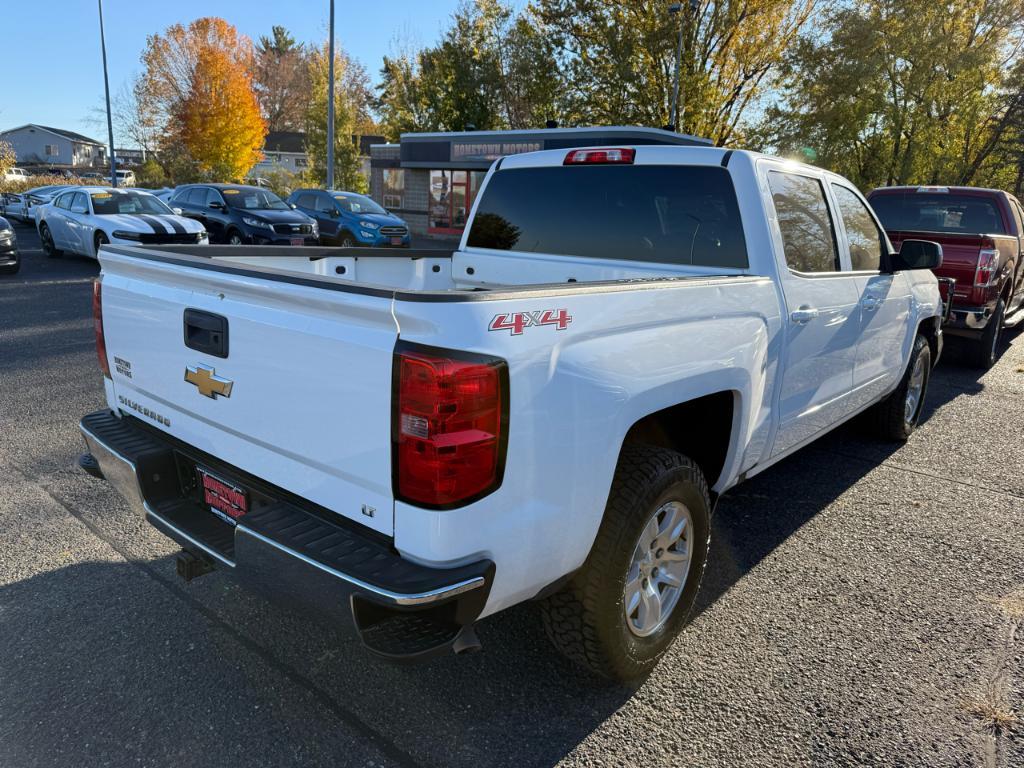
[[106, 89], [330, 102], [677, 110]]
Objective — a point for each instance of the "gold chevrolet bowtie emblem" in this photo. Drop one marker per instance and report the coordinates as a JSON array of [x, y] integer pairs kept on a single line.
[[208, 382]]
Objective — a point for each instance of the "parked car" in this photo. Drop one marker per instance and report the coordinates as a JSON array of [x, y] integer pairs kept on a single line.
[[349, 219], [125, 177], [413, 440], [37, 197], [10, 261], [81, 219], [982, 237], [237, 214], [15, 174]]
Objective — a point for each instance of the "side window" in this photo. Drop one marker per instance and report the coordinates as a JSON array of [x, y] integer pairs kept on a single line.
[[1018, 216], [866, 239], [324, 204], [306, 200], [212, 196], [79, 204], [197, 196], [64, 201], [808, 235]]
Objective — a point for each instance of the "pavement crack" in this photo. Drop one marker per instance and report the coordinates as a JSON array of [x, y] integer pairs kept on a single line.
[[380, 742]]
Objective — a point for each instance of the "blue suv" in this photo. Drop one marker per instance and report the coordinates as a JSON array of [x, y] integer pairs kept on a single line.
[[348, 219]]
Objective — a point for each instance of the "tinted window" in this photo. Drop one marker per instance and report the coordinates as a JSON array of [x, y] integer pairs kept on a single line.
[[211, 195], [324, 204], [861, 231], [808, 235], [938, 212], [196, 196], [305, 200], [64, 201], [254, 199], [661, 214]]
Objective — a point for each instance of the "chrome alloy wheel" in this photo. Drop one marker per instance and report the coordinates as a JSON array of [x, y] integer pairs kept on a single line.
[[915, 390], [658, 571]]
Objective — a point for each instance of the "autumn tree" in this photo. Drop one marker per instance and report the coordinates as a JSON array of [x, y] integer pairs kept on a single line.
[[198, 88], [904, 91], [8, 158], [219, 119], [619, 59], [282, 80], [351, 116]]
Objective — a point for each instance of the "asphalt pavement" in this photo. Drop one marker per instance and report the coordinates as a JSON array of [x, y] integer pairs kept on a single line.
[[863, 606]]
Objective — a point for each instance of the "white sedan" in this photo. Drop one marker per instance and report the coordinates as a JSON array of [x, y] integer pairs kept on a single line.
[[81, 219]]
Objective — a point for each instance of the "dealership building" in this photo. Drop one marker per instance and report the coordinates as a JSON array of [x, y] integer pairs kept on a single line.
[[431, 179]]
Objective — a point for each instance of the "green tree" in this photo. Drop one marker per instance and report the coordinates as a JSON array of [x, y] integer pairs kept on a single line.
[[619, 59], [902, 91], [349, 117]]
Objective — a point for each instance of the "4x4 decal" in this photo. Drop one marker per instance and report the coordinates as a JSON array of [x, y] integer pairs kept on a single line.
[[517, 322]]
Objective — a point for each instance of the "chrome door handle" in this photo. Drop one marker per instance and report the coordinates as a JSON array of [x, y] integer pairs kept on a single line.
[[803, 315]]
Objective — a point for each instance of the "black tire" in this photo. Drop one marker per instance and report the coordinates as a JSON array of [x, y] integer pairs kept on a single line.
[[985, 351], [347, 241], [100, 239], [234, 237], [892, 421], [46, 238], [586, 620]]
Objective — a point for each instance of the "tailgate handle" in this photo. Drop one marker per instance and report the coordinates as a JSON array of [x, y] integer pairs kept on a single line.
[[206, 332]]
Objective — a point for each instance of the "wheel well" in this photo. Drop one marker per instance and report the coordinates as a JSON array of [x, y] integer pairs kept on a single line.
[[699, 428], [929, 328]]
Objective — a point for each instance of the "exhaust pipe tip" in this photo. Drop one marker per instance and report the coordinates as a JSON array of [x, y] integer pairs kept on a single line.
[[467, 641], [88, 464]]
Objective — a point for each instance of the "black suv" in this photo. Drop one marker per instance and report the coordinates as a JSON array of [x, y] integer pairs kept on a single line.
[[237, 214]]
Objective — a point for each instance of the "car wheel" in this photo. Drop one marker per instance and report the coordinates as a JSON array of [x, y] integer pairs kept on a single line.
[[235, 238], [100, 239], [896, 417], [620, 612], [46, 237], [986, 349], [347, 241]]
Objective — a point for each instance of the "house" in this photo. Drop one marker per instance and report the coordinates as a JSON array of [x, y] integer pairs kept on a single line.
[[129, 157], [40, 145], [286, 150]]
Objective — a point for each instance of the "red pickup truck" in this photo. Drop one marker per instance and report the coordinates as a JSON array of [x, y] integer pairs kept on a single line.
[[982, 236]]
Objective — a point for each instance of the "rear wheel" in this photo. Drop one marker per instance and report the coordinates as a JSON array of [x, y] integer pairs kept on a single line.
[[896, 417], [46, 237], [986, 349], [633, 595], [235, 237]]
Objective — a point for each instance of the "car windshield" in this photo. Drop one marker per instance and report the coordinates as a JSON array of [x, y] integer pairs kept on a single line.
[[254, 200], [112, 203], [356, 204], [938, 212]]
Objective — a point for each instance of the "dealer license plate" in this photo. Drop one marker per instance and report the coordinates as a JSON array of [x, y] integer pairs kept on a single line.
[[396, 241], [227, 501], [297, 241]]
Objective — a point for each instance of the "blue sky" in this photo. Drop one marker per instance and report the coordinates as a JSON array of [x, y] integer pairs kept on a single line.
[[54, 73]]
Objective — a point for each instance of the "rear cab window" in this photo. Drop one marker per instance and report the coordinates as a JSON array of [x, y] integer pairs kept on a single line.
[[663, 214], [934, 211]]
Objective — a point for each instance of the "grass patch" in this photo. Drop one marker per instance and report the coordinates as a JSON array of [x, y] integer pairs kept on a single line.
[[992, 717]]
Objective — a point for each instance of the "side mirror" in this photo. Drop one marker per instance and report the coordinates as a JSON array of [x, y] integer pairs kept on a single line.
[[176, 211], [916, 254], [216, 206], [293, 206]]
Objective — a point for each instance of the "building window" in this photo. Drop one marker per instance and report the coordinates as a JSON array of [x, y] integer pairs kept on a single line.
[[451, 198], [301, 162], [86, 151], [394, 188], [51, 150]]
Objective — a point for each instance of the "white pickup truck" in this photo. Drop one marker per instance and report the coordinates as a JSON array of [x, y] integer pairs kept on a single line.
[[414, 440]]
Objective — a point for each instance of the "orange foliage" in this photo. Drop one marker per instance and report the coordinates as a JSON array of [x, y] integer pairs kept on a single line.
[[198, 84]]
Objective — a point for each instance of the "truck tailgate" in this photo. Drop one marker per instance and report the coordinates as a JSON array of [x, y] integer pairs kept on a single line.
[[309, 405]]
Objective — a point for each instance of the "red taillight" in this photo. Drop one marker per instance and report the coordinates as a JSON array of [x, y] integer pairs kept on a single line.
[[450, 421], [988, 267], [97, 324], [603, 156]]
